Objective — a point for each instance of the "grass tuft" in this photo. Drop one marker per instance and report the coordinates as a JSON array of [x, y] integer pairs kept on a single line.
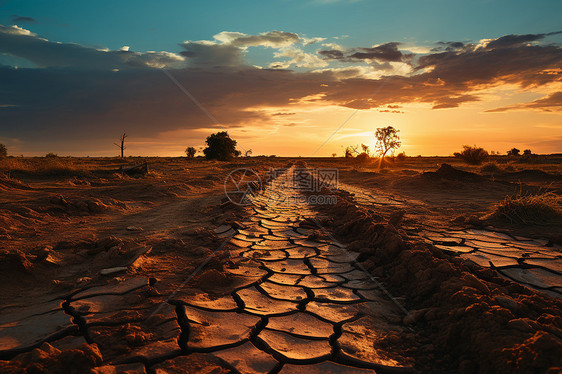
[[539, 209]]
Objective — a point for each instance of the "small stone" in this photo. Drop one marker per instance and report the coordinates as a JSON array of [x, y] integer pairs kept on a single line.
[[114, 270]]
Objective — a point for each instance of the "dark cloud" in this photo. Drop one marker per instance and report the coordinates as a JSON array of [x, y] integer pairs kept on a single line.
[[516, 40], [380, 56], [549, 103], [386, 52], [332, 54], [448, 46], [206, 55], [20, 19]]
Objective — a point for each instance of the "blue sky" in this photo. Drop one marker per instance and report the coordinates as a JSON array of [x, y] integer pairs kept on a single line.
[[161, 25]]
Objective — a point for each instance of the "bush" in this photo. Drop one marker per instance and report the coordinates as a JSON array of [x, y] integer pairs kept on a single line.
[[3, 151], [490, 167], [536, 209], [472, 155], [51, 155], [513, 152], [401, 156]]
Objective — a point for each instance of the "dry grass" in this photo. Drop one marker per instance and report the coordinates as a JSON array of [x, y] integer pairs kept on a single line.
[[539, 209], [51, 166]]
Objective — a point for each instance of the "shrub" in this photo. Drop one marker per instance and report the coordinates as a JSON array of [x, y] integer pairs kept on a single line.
[[513, 152], [401, 156], [51, 155], [490, 167], [472, 155], [3, 151], [536, 209]]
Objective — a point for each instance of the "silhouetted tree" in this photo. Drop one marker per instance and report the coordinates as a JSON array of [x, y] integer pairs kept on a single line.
[[190, 152], [220, 147], [334, 154], [387, 140], [513, 152], [122, 144], [3, 151], [248, 153], [527, 152]]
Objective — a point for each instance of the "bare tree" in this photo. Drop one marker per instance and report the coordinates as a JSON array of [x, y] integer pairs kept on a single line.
[[248, 153], [365, 148], [387, 140], [122, 145]]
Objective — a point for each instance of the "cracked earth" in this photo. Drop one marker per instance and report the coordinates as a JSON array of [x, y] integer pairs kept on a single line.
[[302, 305], [296, 302], [534, 263]]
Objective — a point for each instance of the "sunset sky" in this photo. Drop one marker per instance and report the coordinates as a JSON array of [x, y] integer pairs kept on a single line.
[[286, 77]]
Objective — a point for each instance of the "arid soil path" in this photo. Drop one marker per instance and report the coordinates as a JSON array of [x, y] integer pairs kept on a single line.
[[301, 306], [535, 263]]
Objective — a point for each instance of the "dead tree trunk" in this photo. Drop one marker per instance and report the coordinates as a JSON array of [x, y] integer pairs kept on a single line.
[[122, 145]]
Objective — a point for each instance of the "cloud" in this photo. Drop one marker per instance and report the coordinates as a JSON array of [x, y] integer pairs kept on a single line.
[[271, 39], [228, 48], [22, 43], [206, 54], [16, 18], [309, 41], [549, 103], [516, 40], [384, 52], [332, 54], [380, 56], [298, 57]]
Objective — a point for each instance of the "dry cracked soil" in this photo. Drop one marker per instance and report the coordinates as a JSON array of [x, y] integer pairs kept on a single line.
[[182, 280]]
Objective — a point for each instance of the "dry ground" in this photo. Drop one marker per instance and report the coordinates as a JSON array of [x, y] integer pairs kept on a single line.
[[63, 221]]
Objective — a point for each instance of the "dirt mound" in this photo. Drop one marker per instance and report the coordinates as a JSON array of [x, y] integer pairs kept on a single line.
[[8, 184], [467, 318], [48, 359], [448, 172], [533, 175]]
